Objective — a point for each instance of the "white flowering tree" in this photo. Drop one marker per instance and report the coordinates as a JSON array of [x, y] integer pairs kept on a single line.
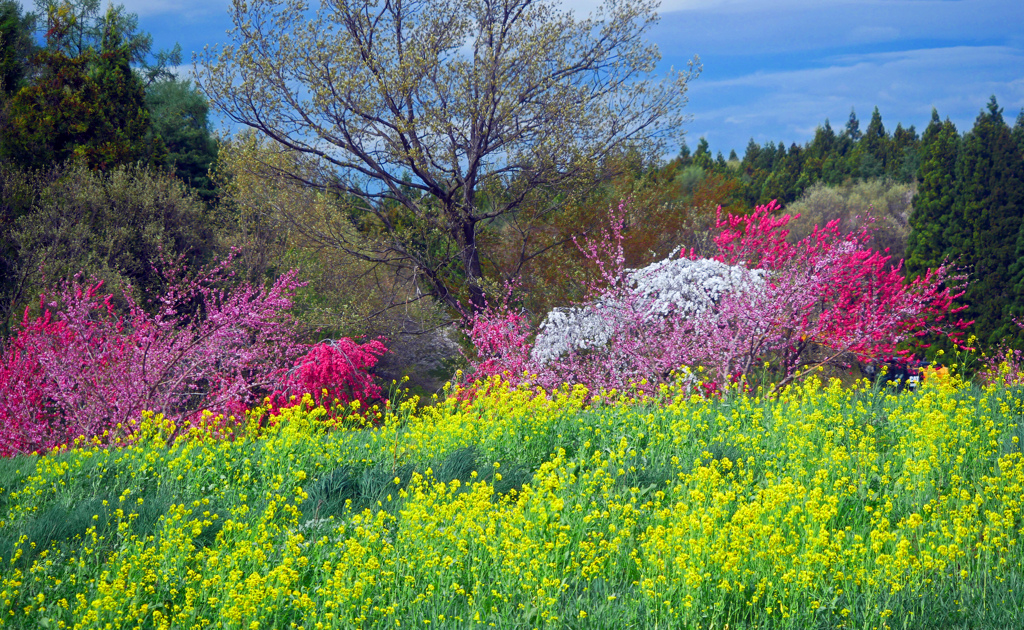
[[676, 288]]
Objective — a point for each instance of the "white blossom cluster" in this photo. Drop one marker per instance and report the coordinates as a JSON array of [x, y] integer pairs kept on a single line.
[[677, 286]]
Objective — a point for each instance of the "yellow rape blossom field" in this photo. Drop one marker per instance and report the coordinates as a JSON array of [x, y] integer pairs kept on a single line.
[[824, 507]]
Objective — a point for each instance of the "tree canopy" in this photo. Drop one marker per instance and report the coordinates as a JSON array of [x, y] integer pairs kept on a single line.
[[85, 102], [438, 116]]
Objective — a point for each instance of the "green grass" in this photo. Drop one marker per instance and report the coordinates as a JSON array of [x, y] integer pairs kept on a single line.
[[825, 508]]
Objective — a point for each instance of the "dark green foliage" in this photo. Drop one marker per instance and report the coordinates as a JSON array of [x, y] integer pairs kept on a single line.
[[874, 148], [905, 154], [88, 105], [852, 130], [986, 222], [702, 156], [753, 150], [772, 172], [18, 192], [685, 158], [969, 211], [113, 225], [928, 245], [16, 48], [1018, 131], [179, 117], [785, 183]]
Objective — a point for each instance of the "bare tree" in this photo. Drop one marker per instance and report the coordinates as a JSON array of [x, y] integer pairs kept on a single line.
[[434, 117]]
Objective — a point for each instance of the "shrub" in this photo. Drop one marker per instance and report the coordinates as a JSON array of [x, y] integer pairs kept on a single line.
[[335, 373], [83, 368]]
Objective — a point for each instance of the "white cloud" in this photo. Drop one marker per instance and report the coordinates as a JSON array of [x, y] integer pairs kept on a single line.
[[787, 104]]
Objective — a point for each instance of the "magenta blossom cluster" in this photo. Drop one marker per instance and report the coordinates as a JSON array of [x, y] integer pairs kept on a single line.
[[760, 301], [335, 373], [209, 343], [83, 367]]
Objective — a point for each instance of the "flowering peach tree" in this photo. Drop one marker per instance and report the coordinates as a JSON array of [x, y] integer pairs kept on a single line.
[[335, 373], [84, 367], [760, 300]]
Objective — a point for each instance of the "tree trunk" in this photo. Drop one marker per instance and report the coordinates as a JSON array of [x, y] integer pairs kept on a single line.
[[471, 263]]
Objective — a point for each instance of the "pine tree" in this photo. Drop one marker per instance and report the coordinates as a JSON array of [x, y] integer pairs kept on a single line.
[[685, 158], [987, 214], [818, 151], [784, 182], [873, 148], [753, 175], [928, 244], [1018, 131], [90, 106], [1018, 267], [906, 154], [702, 156], [179, 114], [852, 127], [750, 155], [16, 47]]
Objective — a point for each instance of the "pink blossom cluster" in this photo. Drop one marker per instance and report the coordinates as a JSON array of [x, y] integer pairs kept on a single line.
[[761, 301], [209, 342]]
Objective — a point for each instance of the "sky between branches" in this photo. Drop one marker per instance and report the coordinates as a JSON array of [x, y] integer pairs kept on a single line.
[[776, 69]]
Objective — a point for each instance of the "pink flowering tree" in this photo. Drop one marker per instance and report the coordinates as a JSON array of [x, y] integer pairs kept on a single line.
[[500, 336], [760, 300], [84, 368], [825, 297]]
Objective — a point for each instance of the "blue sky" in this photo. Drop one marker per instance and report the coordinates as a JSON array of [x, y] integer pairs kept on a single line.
[[774, 70]]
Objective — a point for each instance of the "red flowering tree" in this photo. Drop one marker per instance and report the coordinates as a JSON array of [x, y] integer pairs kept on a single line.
[[334, 373]]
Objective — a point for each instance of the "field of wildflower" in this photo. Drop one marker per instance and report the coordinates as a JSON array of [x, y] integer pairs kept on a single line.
[[824, 507]]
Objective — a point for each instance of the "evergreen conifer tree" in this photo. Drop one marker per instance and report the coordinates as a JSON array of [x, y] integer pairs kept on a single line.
[[179, 115], [1018, 266], [685, 158], [16, 47], [852, 130], [750, 155], [987, 222], [818, 152], [90, 106], [702, 156], [906, 154], [928, 244], [1018, 131], [873, 148]]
